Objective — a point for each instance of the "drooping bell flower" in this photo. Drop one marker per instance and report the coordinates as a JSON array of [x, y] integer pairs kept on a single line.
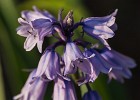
[[64, 90], [100, 28], [31, 29], [34, 91], [36, 25], [97, 64], [73, 57], [49, 65], [121, 61], [91, 95]]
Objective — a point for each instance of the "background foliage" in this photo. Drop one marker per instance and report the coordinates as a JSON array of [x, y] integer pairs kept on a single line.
[[14, 60]]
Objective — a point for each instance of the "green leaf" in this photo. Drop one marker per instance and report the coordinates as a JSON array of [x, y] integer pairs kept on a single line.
[[2, 92]]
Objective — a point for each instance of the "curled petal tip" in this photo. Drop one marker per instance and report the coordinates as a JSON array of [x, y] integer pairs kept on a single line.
[[115, 12], [92, 55], [110, 70]]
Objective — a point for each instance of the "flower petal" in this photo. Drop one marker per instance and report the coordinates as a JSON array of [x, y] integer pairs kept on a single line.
[[64, 90], [40, 23], [98, 21], [71, 54], [119, 59], [100, 35], [22, 21], [42, 65], [23, 30], [100, 63], [45, 13], [101, 31], [84, 64], [49, 65], [39, 45], [30, 42], [32, 15], [53, 63], [44, 27]]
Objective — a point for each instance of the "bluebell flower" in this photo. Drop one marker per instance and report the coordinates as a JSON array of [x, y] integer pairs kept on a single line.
[[100, 27], [36, 14], [97, 64], [64, 90], [34, 91], [73, 57], [121, 61], [44, 27], [49, 65], [29, 24], [91, 95], [36, 25]]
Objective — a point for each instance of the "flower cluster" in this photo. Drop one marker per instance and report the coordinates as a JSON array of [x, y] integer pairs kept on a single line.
[[79, 56]]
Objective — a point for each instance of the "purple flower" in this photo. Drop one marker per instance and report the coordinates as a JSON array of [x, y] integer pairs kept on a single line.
[[34, 91], [121, 61], [49, 65], [98, 61], [36, 14], [64, 90], [91, 95], [97, 64], [100, 27], [36, 25], [44, 27], [30, 28], [73, 57]]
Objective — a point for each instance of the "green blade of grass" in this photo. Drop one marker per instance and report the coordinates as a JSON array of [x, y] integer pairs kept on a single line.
[[2, 92]]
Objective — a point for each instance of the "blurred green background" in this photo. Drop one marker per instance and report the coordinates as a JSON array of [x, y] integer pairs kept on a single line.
[[14, 59]]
